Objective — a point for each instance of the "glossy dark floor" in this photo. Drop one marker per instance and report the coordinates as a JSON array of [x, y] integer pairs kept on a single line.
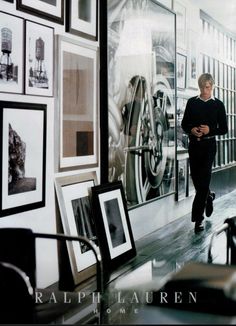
[[159, 255]]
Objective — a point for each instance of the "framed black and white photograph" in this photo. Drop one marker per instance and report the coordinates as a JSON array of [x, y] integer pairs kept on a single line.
[[181, 70], [137, 99], [52, 10], [81, 18], [39, 59], [112, 224], [12, 49], [23, 156], [73, 194], [78, 103], [182, 179], [182, 138], [192, 59]]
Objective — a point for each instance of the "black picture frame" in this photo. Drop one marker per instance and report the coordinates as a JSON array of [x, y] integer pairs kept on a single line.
[[126, 71], [23, 173], [113, 226], [39, 59], [87, 25], [32, 7]]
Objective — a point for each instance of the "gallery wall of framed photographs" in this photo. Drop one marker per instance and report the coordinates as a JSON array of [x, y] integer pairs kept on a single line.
[[48, 94]]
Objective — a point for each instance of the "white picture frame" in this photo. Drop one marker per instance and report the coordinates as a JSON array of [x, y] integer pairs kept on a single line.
[[78, 104], [73, 194]]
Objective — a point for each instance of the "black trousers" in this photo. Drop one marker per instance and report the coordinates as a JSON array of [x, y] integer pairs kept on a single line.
[[201, 157]]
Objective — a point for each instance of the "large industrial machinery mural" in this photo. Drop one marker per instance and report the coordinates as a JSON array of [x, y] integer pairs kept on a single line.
[[8, 71], [141, 92]]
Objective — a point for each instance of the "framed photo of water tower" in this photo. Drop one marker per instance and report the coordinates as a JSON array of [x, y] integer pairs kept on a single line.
[[11, 58], [39, 47]]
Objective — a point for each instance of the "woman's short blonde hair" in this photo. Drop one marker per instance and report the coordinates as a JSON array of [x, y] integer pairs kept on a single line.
[[205, 78]]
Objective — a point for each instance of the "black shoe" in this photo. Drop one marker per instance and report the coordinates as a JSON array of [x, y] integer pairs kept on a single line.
[[198, 226], [209, 204]]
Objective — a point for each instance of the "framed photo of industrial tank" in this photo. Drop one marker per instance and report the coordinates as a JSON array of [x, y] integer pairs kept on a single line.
[[78, 103], [22, 157], [112, 224], [12, 49], [48, 9], [81, 18], [39, 59], [139, 86], [73, 193]]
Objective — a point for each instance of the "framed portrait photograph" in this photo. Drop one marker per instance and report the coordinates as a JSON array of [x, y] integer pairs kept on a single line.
[[23, 156], [81, 18], [73, 194], [113, 227], [39, 59], [12, 49], [52, 10], [138, 93], [181, 71], [78, 104]]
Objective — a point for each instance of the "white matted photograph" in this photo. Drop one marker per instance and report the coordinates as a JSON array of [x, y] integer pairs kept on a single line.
[[73, 194], [52, 10], [181, 70], [12, 47], [39, 59], [78, 103], [23, 157], [81, 18], [112, 221]]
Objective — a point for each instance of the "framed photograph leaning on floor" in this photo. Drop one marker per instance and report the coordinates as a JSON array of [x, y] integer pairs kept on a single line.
[[73, 194], [112, 223], [22, 156]]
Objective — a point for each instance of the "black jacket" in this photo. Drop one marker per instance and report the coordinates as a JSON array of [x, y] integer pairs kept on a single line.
[[211, 113]]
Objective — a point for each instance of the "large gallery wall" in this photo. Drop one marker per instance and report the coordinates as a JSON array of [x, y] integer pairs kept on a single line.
[[62, 162]]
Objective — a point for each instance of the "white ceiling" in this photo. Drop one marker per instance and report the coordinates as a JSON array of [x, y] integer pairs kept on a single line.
[[224, 11]]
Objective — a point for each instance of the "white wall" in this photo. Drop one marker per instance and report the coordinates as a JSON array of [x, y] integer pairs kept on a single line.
[[43, 219]]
